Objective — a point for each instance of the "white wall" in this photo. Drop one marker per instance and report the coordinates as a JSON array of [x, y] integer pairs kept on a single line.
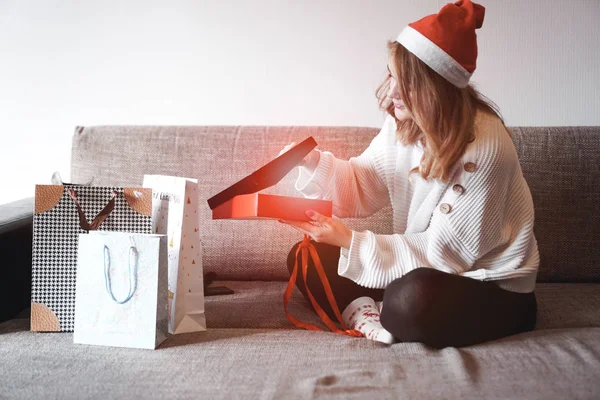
[[261, 62]]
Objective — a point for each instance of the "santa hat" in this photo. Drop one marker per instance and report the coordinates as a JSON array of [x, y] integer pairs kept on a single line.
[[446, 41]]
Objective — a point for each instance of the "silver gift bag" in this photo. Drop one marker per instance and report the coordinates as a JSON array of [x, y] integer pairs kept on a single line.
[[121, 296]]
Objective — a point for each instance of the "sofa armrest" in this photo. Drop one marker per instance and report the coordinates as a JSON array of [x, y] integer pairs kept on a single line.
[[16, 215], [16, 233]]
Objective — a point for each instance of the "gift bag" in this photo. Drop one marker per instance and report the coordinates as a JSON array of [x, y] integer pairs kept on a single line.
[[61, 213], [175, 213], [121, 296]]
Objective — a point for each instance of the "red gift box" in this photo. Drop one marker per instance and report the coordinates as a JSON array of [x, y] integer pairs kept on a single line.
[[241, 200]]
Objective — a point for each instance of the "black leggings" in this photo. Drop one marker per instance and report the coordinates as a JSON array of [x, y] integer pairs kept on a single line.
[[427, 305]]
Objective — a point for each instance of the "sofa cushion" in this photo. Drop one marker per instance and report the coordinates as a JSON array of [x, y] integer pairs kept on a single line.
[[260, 305], [561, 166], [297, 364]]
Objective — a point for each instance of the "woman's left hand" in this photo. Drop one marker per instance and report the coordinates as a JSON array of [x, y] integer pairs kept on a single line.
[[323, 229]]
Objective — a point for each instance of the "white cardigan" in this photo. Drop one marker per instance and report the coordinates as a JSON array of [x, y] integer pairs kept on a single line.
[[478, 225]]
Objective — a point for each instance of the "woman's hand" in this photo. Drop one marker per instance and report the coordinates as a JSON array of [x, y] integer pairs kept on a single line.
[[323, 229], [309, 162]]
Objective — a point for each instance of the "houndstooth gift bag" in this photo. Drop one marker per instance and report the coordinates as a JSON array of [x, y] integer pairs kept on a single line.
[[61, 213]]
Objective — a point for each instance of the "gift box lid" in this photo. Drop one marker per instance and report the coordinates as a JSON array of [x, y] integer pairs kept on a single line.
[[266, 176]]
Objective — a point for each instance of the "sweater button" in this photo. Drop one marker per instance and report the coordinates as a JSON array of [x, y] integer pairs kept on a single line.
[[458, 189], [470, 167], [445, 208]]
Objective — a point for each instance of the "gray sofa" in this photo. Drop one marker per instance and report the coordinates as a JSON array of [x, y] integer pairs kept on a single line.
[[251, 350]]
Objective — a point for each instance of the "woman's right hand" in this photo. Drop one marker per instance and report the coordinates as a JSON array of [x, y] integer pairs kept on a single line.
[[309, 162]]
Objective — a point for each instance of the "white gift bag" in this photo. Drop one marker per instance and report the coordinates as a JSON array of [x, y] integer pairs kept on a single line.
[[121, 290], [175, 213]]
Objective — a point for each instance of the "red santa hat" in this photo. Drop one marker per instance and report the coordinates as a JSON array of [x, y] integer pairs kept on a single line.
[[446, 41]]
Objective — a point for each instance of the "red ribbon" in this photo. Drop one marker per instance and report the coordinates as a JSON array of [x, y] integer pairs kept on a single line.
[[304, 249]]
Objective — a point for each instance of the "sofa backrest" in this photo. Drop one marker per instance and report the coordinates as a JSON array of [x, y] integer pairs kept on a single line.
[[560, 165]]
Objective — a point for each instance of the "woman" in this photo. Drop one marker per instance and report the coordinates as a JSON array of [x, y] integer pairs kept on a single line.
[[461, 265]]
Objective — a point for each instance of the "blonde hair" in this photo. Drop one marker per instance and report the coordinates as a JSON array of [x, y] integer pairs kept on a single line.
[[443, 115]]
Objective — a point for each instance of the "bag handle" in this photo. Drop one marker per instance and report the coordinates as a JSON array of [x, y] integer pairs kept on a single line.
[[304, 248], [133, 251], [57, 180], [102, 215]]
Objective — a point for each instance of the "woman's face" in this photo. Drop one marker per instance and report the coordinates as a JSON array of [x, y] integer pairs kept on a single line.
[[400, 111]]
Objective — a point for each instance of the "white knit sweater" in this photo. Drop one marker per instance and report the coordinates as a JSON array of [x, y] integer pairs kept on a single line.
[[483, 232]]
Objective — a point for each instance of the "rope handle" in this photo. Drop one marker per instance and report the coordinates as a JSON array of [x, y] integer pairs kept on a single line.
[[304, 249], [133, 253], [102, 215]]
